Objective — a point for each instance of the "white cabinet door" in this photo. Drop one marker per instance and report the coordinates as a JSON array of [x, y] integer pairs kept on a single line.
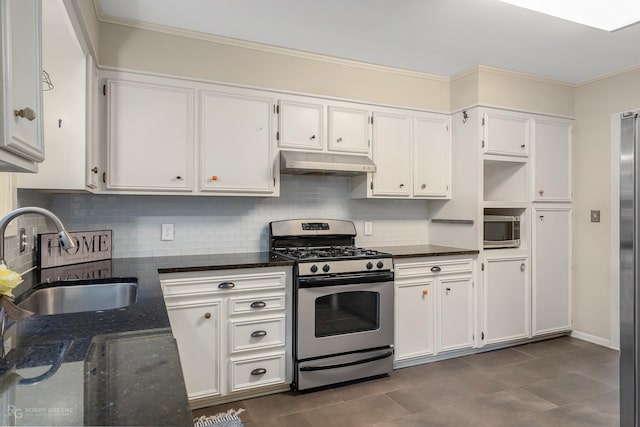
[[506, 133], [150, 136], [92, 167], [432, 157], [236, 136], [300, 125], [552, 161], [415, 316], [348, 129], [552, 270], [196, 328], [455, 296], [22, 81], [506, 299], [392, 154]]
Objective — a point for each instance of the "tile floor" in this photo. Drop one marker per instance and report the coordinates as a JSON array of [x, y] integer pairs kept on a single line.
[[559, 382]]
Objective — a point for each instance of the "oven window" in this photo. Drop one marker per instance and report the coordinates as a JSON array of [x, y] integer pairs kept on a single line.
[[347, 312]]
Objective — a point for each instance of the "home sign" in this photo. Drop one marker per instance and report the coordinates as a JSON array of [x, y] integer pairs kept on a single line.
[[90, 246]]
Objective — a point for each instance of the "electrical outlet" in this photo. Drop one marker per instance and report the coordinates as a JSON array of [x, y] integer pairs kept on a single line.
[[595, 215], [167, 232], [368, 228]]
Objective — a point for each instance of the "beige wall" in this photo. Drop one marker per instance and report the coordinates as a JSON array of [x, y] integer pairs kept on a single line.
[[502, 88], [594, 104], [127, 47]]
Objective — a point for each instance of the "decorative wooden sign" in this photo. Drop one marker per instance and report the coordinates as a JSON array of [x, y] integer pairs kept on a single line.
[[90, 246], [87, 270]]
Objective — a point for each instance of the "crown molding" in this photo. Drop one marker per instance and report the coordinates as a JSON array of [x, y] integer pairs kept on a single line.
[[608, 75], [265, 47]]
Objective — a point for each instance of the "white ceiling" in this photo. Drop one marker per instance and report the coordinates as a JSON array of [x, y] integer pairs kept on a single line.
[[441, 37]]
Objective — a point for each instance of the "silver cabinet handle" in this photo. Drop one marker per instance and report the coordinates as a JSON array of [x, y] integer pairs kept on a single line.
[[258, 334], [436, 269], [541, 192], [522, 267], [259, 371], [207, 315], [522, 146], [313, 137], [447, 290], [423, 186], [25, 113], [179, 178], [226, 285], [401, 185], [258, 304], [339, 139], [541, 217]]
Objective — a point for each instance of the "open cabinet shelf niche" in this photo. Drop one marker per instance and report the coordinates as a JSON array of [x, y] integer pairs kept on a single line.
[[505, 181]]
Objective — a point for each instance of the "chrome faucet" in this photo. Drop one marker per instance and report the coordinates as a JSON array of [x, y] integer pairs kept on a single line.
[[65, 240]]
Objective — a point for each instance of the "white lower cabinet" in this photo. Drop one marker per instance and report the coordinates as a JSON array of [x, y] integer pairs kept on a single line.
[[506, 303], [195, 322], [415, 319], [231, 328], [551, 289], [434, 308], [455, 297]]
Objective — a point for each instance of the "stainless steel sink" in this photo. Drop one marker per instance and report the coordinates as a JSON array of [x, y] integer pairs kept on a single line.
[[79, 298]]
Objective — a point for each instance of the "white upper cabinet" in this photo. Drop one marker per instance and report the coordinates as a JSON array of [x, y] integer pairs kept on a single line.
[[392, 153], [236, 142], [150, 136], [506, 133], [348, 129], [432, 156], [66, 107], [301, 125], [22, 136], [552, 160]]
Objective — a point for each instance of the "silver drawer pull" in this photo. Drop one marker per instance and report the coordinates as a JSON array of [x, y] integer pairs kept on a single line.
[[227, 285], [436, 269], [258, 334], [258, 304], [259, 371]]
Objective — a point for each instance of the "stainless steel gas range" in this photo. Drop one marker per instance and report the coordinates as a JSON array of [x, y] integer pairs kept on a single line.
[[343, 302]]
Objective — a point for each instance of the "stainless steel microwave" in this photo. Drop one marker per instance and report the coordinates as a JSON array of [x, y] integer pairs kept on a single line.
[[501, 231]]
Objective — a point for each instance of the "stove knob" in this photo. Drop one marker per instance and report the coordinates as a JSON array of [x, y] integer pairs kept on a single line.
[[314, 268], [369, 265], [380, 264], [326, 268]]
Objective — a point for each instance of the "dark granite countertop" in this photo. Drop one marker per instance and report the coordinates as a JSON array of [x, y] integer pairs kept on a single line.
[[111, 367], [418, 251]]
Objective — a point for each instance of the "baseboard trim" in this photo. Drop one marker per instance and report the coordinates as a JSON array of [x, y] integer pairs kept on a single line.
[[592, 339]]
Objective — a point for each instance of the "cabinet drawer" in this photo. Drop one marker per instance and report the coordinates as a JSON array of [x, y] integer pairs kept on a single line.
[[414, 269], [256, 334], [224, 284], [252, 373], [256, 304]]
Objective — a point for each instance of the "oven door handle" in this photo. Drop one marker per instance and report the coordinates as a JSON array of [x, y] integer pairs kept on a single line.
[[344, 365], [344, 279]]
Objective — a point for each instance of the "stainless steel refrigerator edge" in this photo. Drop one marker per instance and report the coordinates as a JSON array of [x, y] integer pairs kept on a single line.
[[629, 240]]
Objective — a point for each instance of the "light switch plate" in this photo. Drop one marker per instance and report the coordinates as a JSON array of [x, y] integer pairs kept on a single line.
[[595, 215]]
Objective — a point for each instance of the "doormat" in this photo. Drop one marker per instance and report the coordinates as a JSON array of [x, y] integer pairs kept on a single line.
[[223, 419]]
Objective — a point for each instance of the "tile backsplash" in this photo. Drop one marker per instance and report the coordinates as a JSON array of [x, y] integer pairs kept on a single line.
[[206, 225]]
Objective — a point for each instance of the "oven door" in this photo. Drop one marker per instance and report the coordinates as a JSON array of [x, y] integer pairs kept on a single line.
[[343, 313]]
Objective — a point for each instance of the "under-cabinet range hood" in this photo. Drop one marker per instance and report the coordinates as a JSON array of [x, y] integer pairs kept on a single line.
[[298, 163]]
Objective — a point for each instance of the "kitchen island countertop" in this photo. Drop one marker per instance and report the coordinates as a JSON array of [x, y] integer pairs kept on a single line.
[[119, 366]]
